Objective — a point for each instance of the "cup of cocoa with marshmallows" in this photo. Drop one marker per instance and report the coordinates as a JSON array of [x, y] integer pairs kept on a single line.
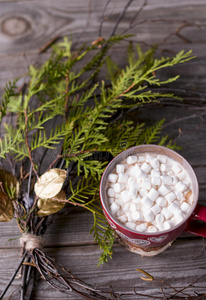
[[149, 196]]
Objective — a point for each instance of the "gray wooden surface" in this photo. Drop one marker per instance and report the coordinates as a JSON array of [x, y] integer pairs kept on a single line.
[[25, 26]]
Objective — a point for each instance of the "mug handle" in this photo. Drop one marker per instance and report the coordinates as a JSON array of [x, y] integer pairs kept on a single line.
[[195, 227]]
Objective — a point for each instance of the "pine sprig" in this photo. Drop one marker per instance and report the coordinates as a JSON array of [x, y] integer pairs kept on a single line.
[[86, 195], [122, 135], [104, 236], [85, 189], [152, 134], [8, 143], [9, 92]]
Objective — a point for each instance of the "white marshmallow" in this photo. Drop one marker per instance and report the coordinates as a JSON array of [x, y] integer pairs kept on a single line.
[[155, 173], [181, 175], [137, 200], [167, 213], [110, 200], [156, 180], [154, 163], [132, 207], [135, 185], [141, 158], [137, 216], [162, 202], [143, 192], [131, 159], [174, 208], [185, 207], [119, 212], [187, 181], [181, 187], [146, 167], [164, 190], [179, 217], [162, 159], [144, 209], [166, 180], [167, 225], [140, 174], [122, 218], [118, 187], [147, 202], [174, 180], [149, 158], [112, 185], [126, 206], [146, 184], [111, 192], [133, 189], [159, 218], [119, 201], [114, 207], [130, 180], [156, 209], [120, 168], [176, 168], [142, 227], [132, 171], [149, 216], [165, 167], [129, 216], [153, 194], [112, 177], [176, 202], [125, 196], [170, 197], [152, 229], [131, 225], [160, 226], [122, 178], [180, 196]]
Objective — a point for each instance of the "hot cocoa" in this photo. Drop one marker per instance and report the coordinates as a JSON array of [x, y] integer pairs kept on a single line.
[[149, 192]]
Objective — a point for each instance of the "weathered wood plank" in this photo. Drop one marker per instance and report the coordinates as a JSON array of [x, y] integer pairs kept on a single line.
[[36, 22], [172, 266], [67, 240]]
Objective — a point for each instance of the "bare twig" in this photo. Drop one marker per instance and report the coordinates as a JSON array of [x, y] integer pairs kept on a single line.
[[48, 44], [132, 24], [103, 18], [27, 144], [121, 16], [13, 276], [176, 120]]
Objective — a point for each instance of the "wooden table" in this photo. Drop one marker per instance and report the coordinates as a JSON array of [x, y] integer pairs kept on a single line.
[[25, 27]]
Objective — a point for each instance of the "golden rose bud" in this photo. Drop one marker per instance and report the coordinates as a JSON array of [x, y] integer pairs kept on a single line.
[[50, 183]]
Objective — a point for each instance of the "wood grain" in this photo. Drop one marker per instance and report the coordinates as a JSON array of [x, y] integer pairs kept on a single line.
[[120, 272], [175, 25], [183, 22]]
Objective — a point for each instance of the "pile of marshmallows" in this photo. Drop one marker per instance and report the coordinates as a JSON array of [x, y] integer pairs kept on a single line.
[[149, 192]]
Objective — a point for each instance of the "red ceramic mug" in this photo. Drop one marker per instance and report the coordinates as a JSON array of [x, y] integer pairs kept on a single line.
[[154, 243]]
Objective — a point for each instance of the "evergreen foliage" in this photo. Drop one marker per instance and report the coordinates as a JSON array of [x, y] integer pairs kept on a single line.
[[84, 109]]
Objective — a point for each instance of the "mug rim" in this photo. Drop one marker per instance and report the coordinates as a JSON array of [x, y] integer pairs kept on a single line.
[[194, 177]]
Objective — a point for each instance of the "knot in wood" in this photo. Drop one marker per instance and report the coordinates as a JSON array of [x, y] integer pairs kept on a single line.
[[15, 26]]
